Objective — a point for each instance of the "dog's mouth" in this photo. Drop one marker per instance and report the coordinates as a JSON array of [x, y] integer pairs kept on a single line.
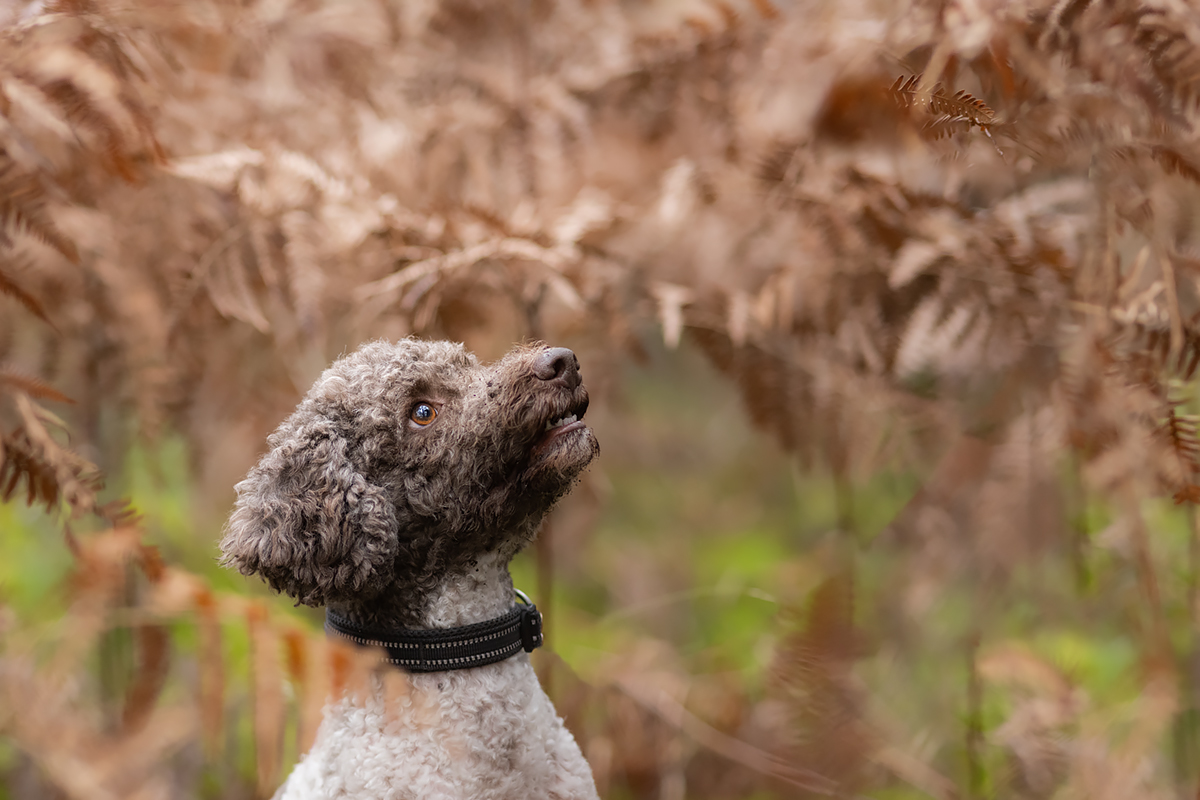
[[564, 422]]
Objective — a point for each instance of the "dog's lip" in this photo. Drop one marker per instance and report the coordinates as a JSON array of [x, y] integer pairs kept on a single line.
[[568, 420], [559, 430], [556, 433]]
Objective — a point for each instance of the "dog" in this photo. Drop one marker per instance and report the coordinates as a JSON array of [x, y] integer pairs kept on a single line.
[[396, 495]]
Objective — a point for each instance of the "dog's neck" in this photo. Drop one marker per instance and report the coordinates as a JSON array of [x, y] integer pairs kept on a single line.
[[484, 591], [479, 591]]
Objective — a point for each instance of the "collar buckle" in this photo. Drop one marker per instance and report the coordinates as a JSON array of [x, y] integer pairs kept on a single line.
[[531, 628]]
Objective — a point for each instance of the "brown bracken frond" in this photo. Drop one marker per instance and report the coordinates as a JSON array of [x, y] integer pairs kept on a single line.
[[10, 287], [19, 462], [1154, 343], [1180, 433], [1175, 162], [23, 199], [960, 107], [13, 379], [811, 673]]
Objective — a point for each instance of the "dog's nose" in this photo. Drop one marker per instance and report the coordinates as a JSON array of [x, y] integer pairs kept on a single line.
[[558, 364]]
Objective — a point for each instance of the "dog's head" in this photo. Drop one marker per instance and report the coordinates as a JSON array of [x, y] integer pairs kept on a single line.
[[406, 460]]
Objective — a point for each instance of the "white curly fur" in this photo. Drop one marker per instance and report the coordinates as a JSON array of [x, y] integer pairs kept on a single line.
[[487, 733]]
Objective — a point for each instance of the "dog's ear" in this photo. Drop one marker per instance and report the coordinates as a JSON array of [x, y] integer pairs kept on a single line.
[[309, 523]]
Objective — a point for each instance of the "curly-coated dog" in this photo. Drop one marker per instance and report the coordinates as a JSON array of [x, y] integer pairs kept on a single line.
[[395, 495]]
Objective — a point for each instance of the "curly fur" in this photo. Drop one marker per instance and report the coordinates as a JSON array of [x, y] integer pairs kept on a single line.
[[394, 524]]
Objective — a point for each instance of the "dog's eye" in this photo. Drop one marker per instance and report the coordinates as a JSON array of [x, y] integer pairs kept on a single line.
[[423, 414]]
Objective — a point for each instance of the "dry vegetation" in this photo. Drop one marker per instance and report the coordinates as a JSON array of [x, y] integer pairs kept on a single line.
[[955, 240]]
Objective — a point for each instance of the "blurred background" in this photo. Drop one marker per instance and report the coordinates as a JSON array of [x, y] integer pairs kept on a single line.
[[889, 313]]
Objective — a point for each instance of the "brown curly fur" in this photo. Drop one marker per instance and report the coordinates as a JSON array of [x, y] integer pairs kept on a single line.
[[357, 506]]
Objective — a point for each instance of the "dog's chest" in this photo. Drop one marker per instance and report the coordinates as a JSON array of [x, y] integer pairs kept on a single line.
[[483, 733]]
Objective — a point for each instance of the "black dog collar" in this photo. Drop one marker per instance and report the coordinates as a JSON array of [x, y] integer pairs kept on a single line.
[[438, 650]]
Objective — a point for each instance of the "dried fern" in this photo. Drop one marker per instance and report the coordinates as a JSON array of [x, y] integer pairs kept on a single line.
[[23, 199], [21, 464], [960, 108], [11, 379], [1181, 436], [11, 287]]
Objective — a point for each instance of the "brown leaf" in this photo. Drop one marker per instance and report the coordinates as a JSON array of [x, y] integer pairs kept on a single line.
[[153, 645], [31, 385], [307, 666], [211, 697], [1188, 494], [268, 698], [10, 287]]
